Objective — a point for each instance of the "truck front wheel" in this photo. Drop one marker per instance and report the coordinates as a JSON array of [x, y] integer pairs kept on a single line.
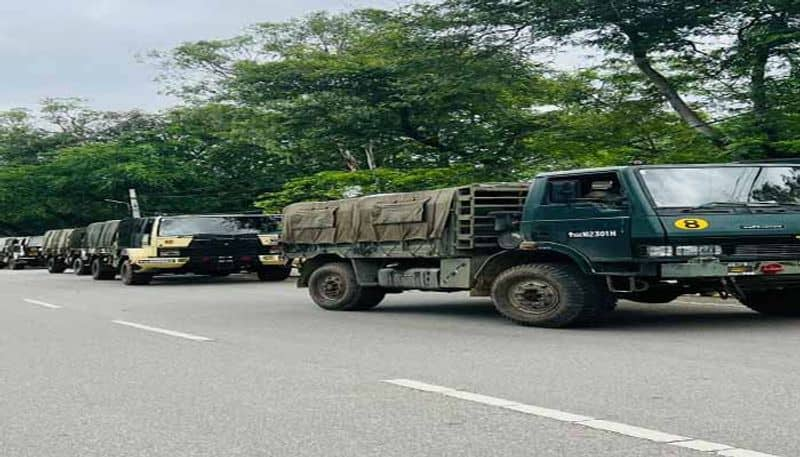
[[550, 295], [55, 266], [774, 302], [334, 287], [132, 278], [79, 267], [100, 271]]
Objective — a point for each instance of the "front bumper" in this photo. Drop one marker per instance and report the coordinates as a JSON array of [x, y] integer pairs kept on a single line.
[[722, 269], [272, 259], [161, 263]]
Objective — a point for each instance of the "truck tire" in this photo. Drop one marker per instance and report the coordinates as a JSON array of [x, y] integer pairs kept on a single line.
[[55, 267], [550, 295], [131, 278], [774, 302], [79, 268], [274, 274], [100, 272], [334, 287]]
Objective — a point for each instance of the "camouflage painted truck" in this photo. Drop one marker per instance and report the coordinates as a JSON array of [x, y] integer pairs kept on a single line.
[[61, 247], [561, 250], [217, 245]]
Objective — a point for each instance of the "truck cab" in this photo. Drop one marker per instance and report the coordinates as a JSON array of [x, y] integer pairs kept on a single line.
[[656, 232], [216, 245]]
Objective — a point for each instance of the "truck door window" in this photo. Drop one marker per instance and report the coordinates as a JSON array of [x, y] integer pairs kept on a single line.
[[602, 189]]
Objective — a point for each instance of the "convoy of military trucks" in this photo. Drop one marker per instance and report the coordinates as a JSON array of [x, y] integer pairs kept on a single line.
[[554, 252]]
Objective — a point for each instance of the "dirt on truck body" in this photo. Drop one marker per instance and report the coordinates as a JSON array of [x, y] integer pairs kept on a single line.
[[561, 250]]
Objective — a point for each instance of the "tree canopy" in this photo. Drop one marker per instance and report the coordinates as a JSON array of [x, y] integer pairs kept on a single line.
[[425, 96]]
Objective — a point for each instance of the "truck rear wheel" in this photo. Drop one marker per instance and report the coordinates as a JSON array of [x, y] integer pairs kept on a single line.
[[101, 272], [550, 295], [334, 287], [55, 267], [130, 277], [274, 273], [782, 302]]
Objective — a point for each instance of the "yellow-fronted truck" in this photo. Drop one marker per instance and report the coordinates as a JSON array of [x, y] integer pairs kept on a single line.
[[215, 244]]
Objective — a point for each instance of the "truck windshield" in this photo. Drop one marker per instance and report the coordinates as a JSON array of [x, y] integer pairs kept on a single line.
[[35, 241], [217, 225], [700, 186]]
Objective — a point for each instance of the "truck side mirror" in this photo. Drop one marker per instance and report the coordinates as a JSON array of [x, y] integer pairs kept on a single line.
[[505, 221], [564, 191]]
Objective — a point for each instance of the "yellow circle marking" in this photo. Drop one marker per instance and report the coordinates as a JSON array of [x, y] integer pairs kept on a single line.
[[692, 223]]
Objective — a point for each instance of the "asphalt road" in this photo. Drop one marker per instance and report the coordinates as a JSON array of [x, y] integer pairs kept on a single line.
[[235, 367]]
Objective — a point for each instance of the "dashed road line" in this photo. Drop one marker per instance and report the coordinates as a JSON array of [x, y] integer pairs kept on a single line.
[[41, 303], [163, 331], [655, 436]]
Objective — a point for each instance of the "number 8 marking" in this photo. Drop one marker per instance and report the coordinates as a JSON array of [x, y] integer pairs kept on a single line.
[[692, 224]]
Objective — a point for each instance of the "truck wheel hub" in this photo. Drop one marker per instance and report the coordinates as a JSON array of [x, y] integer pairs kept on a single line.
[[534, 297], [332, 288]]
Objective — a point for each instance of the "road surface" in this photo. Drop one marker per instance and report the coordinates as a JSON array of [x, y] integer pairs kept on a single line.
[[234, 367]]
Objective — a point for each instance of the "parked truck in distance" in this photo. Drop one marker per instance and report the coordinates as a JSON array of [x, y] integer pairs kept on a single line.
[[217, 245], [562, 249], [61, 247], [20, 252]]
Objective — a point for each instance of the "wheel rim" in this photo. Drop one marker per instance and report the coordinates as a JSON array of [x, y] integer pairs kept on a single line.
[[331, 287], [534, 296]]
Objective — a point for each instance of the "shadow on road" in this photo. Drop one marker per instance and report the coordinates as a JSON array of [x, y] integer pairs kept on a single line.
[[629, 316], [200, 280]]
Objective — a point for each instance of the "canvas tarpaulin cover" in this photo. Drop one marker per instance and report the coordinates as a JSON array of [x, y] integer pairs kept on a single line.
[[102, 234], [390, 217]]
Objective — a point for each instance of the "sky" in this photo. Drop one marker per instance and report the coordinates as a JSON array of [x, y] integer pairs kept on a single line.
[[88, 48]]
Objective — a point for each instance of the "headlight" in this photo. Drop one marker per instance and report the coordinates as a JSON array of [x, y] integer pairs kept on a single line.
[[692, 251], [170, 253], [659, 251]]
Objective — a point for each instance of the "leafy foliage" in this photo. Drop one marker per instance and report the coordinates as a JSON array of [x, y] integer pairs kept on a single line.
[[431, 95]]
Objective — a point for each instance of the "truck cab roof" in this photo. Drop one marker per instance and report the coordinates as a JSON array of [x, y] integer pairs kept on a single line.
[[618, 168]]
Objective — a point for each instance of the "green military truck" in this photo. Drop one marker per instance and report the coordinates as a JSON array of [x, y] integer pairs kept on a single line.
[[561, 250], [61, 247], [207, 244]]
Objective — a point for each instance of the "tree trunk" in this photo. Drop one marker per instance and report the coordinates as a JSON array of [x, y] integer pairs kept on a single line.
[[350, 162], [758, 96], [675, 100]]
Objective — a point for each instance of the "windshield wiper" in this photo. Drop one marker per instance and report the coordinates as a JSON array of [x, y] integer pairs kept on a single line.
[[712, 205]]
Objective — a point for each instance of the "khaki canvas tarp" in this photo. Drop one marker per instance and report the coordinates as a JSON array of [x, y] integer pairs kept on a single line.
[[56, 240], [391, 217], [102, 234]]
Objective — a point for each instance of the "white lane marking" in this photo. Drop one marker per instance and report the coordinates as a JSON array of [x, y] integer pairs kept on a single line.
[[598, 424], [743, 453], [636, 432], [702, 446], [163, 331], [549, 413], [41, 303]]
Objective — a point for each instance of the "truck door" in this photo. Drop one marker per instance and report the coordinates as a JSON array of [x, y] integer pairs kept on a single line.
[[589, 213]]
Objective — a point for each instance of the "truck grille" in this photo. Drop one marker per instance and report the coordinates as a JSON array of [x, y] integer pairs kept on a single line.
[[759, 250]]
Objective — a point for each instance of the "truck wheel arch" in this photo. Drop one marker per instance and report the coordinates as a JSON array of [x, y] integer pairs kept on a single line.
[[311, 264], [501, 261]]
